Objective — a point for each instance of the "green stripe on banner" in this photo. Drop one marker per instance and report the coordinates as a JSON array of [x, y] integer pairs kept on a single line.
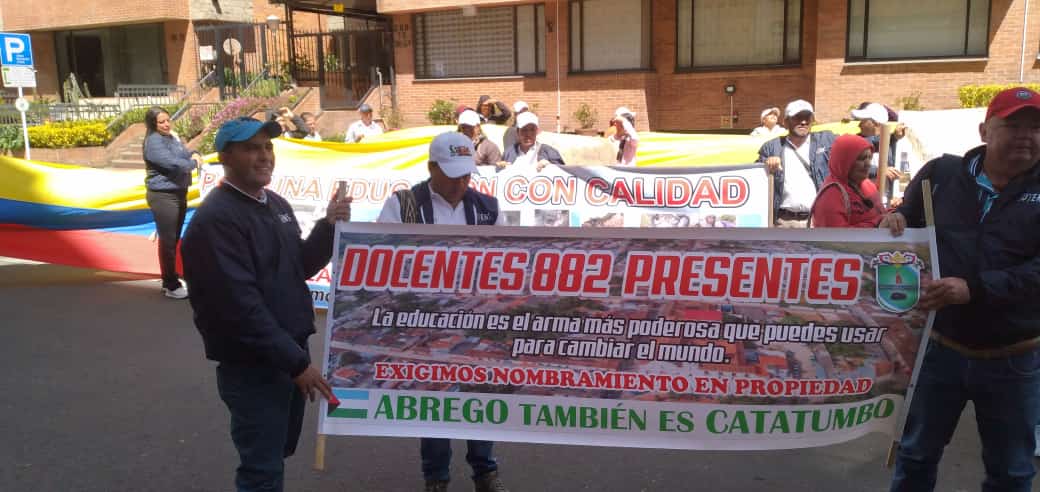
[[349, 413]]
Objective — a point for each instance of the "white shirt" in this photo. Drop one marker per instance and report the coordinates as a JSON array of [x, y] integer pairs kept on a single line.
[[313, 137], [762, 131], [359, 129], [443, 212], [529, 158], [799, 188]]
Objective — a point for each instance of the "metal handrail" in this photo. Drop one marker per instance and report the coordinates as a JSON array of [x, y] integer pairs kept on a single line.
[[195, 92]]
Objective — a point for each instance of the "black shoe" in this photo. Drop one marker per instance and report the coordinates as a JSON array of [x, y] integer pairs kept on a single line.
[[489, 482], [436, 486]]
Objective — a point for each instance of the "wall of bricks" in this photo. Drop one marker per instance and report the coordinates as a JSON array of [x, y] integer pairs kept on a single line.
[[841, 85], [671, 100], [662, 98], [61, 15]]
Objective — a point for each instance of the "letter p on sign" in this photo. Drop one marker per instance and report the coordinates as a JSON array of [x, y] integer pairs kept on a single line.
[[16, 50]]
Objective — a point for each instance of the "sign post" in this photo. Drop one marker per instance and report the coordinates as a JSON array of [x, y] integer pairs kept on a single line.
[[16, 65]]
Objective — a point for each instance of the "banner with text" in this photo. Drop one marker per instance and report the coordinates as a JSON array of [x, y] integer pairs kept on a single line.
[[680, 338], [558, 196]]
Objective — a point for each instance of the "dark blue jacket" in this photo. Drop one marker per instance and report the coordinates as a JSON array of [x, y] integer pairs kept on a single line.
[[819, 159], [545, 152], [480, 209], [246, 269], [167, 162], [998, 255]]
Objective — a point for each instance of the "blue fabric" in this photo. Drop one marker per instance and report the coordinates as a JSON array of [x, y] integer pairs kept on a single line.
[[242, 129], [168, 163], [436, 458], [266, 417], [987, 193], [1006, 394]]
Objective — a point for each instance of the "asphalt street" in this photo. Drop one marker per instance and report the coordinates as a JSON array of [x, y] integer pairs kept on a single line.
[[105, 388]]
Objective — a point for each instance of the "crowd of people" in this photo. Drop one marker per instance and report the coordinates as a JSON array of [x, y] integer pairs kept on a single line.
[[246, 267]]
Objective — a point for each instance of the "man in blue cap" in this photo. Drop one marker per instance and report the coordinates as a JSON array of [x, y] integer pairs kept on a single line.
[[366, 127], [247, 264]]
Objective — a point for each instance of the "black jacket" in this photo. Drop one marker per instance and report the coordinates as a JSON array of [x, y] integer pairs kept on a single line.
[[997, 255], [819, 161], [246, 268]]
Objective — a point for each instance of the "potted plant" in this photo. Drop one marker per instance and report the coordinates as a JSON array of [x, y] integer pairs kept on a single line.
[[586, 117]]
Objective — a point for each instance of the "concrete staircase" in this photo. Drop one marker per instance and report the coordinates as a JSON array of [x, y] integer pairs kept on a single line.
[[130, 156]]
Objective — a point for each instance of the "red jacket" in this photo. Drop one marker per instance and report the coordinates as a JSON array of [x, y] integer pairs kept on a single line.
[[837, 204]]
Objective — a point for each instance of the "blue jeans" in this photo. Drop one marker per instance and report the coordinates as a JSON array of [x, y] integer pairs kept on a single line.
[[436, 458], [266, 418], [1006, 393]]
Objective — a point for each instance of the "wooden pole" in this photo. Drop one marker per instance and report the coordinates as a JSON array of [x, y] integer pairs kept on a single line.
[[929, 218], [882, 168], [319, 445], [319, 453], [772, 220]]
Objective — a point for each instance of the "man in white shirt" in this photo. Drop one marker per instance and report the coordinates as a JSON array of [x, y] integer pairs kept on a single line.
[[446, 198], [527, 151], [364, 128], [798, 163]]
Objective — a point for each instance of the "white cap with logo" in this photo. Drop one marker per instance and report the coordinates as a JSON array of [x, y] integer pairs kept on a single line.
[[798, 106], [453, 152], [520, 106], [527, 118], [469, 117], [872, 111]]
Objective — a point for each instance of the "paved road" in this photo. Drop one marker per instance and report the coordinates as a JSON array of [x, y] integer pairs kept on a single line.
[[105, 389]]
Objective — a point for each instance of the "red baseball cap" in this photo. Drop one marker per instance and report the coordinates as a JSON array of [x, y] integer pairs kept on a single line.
[[1009, 101]]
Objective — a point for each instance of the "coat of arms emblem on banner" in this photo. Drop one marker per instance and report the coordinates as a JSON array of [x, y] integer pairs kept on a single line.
[[897, 280]]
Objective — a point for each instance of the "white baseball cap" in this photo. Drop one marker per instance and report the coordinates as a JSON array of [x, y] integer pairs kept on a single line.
[[527, 118], [453, 152], [798, 106], [872, 111], [469, 117], [622, 111], [520, 106]]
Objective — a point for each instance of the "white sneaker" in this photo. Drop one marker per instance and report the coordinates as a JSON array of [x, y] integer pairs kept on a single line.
[[1036, 434], [178, 293]]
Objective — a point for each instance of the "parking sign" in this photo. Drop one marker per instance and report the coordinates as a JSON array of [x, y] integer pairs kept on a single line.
[[16, 60], [15, 50]]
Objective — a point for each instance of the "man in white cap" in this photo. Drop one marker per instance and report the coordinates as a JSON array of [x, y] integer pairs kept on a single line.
[[770, 119], [446, 198], [798, 163], [510, 136], [365, 127], [487, 153], [872, 116], [625, 136], [527, 151]]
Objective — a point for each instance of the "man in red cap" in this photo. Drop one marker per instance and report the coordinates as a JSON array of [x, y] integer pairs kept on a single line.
[[985, 342]]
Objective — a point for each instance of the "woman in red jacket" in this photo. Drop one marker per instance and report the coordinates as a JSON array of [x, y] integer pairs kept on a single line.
[[848, 198]]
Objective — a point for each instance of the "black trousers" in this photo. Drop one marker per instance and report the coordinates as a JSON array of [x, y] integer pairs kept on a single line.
[[168, 208]]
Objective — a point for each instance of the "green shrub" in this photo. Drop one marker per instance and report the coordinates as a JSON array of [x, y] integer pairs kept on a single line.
[[585, 115], [392, 117], [10, 138], [135, 115], [264, 88], [979, 96], [83, 133], [193, 121], [442, 113], [911, 102]]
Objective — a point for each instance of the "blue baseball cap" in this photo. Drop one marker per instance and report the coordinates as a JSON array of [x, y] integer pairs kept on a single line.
[[242, 129]]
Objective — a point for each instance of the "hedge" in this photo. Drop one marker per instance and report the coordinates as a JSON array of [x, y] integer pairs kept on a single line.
[[136, 115], [979, 96], [84, 133]]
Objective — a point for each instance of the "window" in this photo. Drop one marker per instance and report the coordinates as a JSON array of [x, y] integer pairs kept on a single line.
[[738, 33], [496, 41], [898, 29], [610, 35]]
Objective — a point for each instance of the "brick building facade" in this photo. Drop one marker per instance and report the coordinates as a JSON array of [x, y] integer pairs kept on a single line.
[[901, 58]]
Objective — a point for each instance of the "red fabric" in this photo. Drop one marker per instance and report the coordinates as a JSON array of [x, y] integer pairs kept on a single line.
[[829, 210], [99, 250]]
